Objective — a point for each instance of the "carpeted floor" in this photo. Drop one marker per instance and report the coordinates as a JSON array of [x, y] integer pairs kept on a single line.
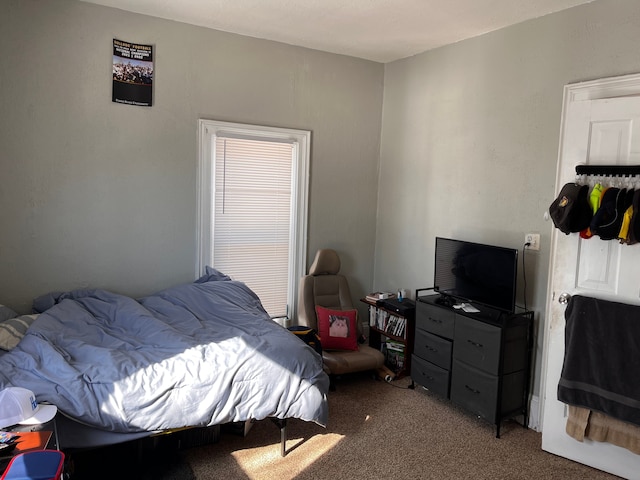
[[375, 430]]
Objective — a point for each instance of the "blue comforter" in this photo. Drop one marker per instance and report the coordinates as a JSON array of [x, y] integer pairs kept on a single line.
[[198, 354]]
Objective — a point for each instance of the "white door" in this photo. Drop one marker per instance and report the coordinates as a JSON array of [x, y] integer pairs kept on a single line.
[[595, 131]]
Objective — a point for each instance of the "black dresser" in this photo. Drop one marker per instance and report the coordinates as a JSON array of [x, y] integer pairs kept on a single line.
[[480, 361]]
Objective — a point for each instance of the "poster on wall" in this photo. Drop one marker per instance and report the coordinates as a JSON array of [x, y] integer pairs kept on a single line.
[[132, 73]]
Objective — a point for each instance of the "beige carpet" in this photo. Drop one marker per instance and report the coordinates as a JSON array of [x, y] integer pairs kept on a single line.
[[380, 430]]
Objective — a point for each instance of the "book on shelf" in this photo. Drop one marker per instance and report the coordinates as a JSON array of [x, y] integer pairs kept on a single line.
[[375, 296], [394, 354], [387, 322], [378, 318], [400, 326], [395, 345]]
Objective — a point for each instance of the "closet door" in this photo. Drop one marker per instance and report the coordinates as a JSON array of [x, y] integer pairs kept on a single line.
[[603, 132]]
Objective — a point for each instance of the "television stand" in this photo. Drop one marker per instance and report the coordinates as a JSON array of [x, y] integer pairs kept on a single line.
[[480, 361]]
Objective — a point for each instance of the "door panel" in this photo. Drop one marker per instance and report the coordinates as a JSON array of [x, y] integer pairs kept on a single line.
[[603, 132], [598, 267]]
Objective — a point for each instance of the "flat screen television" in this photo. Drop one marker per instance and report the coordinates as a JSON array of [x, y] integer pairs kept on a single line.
[[476, 273]]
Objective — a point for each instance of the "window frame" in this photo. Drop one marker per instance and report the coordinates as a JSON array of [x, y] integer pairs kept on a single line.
[[208, 130]]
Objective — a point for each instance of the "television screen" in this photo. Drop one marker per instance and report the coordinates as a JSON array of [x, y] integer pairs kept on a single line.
[[474, 272]]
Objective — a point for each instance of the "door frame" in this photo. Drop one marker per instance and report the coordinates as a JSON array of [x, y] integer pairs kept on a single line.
[[600, 89]]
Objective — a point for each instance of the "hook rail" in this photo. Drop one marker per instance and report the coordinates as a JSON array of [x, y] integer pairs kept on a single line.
[[611, 170]]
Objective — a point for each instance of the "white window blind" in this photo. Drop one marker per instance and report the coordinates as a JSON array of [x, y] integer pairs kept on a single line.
[[252, 216], [253, 188]]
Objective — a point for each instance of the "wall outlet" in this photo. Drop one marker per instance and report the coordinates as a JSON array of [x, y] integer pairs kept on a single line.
[[533, 239]]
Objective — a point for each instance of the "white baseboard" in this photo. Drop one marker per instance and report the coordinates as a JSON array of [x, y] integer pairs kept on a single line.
[[534, 413]]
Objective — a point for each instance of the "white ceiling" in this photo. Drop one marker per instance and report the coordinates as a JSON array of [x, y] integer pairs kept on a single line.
[[378, 30]]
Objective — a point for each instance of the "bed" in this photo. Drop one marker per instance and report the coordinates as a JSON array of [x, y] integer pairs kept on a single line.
[[199, 354]]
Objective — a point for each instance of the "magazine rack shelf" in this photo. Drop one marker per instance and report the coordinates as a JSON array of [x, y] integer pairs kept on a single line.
[[391, 330]]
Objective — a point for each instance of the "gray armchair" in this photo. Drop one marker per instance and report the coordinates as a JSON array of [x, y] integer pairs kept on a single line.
[[325, 287]]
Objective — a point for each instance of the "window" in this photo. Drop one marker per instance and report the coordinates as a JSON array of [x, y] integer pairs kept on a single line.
[[252, 209]]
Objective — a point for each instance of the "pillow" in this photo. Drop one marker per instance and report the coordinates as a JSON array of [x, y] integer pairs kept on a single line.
[[6, 313], [338, 328], [13, 329]]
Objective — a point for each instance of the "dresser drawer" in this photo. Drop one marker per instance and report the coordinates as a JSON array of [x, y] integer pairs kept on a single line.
[[435, 319], [433, 348], [478, 392], [477, 343], [474, 390], [430, 376]]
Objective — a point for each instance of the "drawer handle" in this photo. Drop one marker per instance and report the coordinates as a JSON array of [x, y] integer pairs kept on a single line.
[[435, 320], [473, 390], [479, 345], [431, 348], [427, 376]]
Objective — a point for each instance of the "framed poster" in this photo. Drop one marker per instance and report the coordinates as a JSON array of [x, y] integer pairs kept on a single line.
[[132, 73]]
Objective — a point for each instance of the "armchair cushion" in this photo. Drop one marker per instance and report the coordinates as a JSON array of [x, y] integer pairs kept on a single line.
[[337, 328]]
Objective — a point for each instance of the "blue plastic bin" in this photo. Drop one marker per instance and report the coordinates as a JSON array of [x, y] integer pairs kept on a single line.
[[35, 465]]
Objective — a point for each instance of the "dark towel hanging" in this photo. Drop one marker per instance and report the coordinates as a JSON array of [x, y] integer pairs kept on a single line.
[[602, 357]]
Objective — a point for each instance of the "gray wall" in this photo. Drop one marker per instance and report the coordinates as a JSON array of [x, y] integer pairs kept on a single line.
[[470, 139], [98, 194]]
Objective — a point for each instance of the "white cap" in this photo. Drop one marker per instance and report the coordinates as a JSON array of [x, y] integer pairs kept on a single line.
[[18, 405]]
